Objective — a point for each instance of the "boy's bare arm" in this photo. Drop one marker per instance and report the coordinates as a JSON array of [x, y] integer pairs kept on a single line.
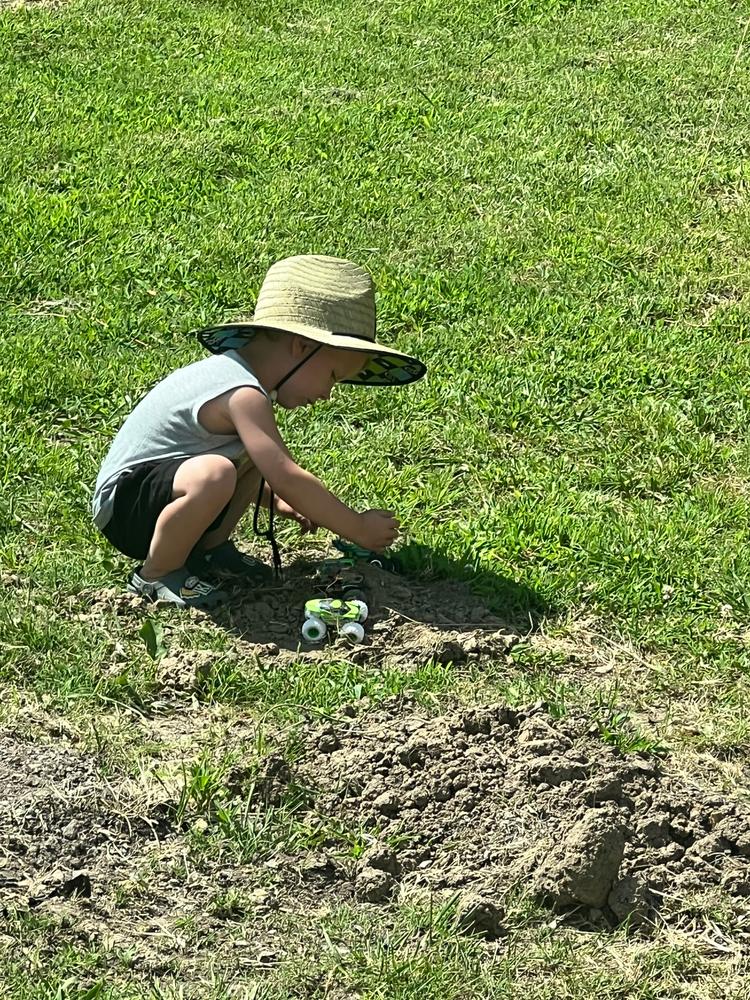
[[252, 417]]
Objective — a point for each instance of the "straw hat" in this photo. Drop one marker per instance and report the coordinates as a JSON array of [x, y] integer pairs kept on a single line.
[[325, 299]]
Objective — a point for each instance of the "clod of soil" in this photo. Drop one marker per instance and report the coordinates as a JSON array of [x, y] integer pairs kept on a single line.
[[585, 866], [488, 799]]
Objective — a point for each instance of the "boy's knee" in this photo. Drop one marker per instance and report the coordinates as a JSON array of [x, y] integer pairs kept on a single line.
[[221, 477], [214, 474]]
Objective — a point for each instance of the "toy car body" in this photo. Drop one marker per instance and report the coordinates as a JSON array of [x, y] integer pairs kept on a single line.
[[346, 616]]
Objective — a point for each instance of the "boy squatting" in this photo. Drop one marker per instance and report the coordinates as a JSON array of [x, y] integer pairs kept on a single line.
[[202, 444]]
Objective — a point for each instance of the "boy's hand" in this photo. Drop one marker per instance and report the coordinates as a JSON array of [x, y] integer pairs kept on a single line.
[[283, 509], [251, 415], [377, 530]]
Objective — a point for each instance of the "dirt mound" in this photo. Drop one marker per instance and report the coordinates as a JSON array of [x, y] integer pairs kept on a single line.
[[488, 799], [407, 621], [473, 804]]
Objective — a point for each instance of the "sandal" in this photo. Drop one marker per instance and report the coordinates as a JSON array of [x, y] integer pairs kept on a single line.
[[227, 560], [179, 587]]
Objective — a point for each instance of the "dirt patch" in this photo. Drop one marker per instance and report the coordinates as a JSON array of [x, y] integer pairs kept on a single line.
[[473, 805], [490, 799], [409, 621], [63, 827], [69, 842], [105, 862]]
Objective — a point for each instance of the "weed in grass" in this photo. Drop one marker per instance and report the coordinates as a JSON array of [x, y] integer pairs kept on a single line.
[[617, 731], [152, 633], [202, 787]]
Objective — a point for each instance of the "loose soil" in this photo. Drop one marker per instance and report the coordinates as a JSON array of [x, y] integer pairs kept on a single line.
[[409, 622], [473, 805], [407, 619], [487, 799]]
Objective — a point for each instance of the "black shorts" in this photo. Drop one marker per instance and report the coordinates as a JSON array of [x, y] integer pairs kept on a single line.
[[140, 497]]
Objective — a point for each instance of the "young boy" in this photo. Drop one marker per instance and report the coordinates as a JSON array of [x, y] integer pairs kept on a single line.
[[203, 443]]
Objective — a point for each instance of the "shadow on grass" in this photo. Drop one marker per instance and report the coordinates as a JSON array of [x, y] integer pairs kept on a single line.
[[516, 603]]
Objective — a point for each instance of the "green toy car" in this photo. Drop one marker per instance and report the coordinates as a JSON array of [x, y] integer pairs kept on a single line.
[[346, 616], [351, 551]]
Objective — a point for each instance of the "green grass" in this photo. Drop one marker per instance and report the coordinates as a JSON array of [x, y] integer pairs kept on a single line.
[[252, 820], [548, 225], [420, 953], [553, 209], [305, 687], [553, 199]]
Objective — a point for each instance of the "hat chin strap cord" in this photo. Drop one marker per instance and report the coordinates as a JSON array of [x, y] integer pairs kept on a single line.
[[268, 534]]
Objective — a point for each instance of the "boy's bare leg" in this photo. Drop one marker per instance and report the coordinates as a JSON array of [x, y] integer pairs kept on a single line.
[[202, 487], [245, 494]]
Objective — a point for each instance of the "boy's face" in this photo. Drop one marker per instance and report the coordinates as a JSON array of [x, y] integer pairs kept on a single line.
[[317, 376]]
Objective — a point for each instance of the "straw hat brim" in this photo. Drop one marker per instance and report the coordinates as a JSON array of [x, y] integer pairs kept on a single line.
[[387, 366]]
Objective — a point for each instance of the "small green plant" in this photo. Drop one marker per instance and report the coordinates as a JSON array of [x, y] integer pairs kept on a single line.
[[202, 787], [230, 904], [617, 730], [152, 633]]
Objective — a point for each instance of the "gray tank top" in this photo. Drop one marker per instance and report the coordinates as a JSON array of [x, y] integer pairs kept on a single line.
[[164, 424]]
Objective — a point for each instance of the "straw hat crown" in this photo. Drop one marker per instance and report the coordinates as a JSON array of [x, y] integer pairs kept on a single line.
[[321, 293], [327, 299]]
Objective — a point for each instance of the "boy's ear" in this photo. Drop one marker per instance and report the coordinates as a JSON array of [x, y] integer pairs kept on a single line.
[[301, 346]]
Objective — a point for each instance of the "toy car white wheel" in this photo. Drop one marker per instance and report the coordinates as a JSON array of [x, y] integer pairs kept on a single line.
[[353, 631], [363, 610], [314, 630]]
